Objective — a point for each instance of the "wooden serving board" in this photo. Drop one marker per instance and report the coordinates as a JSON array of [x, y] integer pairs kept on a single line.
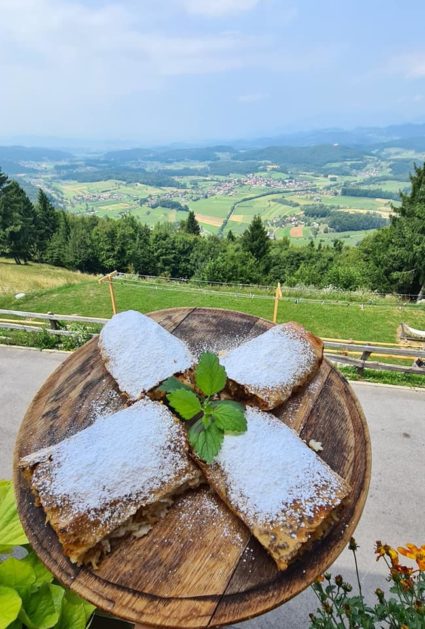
[[199, 566]]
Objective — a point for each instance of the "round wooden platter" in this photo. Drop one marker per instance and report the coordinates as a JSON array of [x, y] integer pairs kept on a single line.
[[199, 566]]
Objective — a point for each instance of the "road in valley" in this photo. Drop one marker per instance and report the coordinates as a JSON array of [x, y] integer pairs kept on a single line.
[[394, 510]]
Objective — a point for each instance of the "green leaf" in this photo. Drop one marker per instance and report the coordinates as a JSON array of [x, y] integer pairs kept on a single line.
[[229, 416], [11, 531], [75, 599], [10, 604], [205, 441], [4, 488], [41, 609], [75, 612], [173, 384], [186, 403], [210, 376], [42, 575], [17, 574]]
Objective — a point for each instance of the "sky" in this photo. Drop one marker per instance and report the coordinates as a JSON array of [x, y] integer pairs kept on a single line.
[[160, 71]]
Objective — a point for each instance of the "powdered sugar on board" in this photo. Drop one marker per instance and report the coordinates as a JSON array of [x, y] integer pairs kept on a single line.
[[139, 353], [129, 454], [271, 474], [277, 357]]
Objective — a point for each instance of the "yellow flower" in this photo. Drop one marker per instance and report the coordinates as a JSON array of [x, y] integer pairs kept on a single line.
[[392, 554], [379, 550], [413, 552]]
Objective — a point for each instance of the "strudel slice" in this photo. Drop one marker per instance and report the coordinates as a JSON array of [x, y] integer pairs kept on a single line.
[[279, 487], [115, 477], [139, 353], [266, 370]]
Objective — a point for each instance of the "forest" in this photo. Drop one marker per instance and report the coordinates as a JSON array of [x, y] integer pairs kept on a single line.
[[391, 260]]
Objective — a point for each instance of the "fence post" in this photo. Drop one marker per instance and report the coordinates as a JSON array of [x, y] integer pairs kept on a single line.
[[54, 325], [278, 295], [365, 355], [108, 278]]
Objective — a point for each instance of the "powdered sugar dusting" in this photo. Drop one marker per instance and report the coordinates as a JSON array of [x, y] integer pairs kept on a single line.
[[129, 454], [139, 353], [271, 474], [205, 510], [276, 358]]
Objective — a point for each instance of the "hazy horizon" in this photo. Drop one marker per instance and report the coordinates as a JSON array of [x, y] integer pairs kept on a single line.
[[198, 71]]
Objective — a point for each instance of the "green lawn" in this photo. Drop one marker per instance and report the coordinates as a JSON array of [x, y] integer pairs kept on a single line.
[[374, 323]]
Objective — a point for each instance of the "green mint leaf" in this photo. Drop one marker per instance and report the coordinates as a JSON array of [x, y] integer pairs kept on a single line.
[[173, 384], [229, 416], [206, 442], [186, 403], [210, 376]]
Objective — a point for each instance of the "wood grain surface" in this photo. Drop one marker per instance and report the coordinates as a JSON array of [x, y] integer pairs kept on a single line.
[[199, 566]]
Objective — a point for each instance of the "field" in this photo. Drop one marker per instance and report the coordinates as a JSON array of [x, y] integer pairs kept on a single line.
[[24, 278], [226, 190], [343, 320]]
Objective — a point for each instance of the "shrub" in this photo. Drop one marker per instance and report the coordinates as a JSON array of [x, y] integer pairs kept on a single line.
[[29, 596]]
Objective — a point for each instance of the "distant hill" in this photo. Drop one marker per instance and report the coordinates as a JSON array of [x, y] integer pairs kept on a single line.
[[170, 154], [317, 156], [405, 134], [31, 154]]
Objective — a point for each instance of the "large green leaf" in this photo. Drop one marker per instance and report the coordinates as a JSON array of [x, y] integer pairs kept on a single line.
[[16, 574], [41, 609], [4, 488], [210, 376], [76, 612], [42, 575], [11, 531], [10, 604]]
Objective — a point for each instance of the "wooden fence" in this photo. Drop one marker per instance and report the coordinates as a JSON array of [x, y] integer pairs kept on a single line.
[[352, 353]]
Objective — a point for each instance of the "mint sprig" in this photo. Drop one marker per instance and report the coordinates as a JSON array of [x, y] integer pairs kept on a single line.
[[214, 417]]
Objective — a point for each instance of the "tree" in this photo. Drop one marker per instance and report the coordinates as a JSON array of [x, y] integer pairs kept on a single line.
[[47, 221], [396, 255], [192, 225], [255, 239], [57, 248], [4, 180], [17, 223], [230, 236]]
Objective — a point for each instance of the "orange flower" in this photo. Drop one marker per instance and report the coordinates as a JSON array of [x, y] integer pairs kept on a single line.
[[413, 552], [402, 570], [319, 579]]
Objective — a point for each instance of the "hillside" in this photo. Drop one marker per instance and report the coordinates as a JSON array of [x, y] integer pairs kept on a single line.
[[73, 293], [18, 278]]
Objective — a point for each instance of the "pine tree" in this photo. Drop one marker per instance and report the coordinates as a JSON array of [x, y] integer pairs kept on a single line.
[[4, 180], [395, 255], [47, 219], [192, 225], [230, 236], [57, 250], [255, 239], [17, 223]]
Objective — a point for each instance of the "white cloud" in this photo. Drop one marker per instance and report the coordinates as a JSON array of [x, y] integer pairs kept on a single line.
[[219, 8], [411, 65]]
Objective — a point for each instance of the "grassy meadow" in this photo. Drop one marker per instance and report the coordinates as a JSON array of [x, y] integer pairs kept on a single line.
[[26, 278], [342, 320]]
